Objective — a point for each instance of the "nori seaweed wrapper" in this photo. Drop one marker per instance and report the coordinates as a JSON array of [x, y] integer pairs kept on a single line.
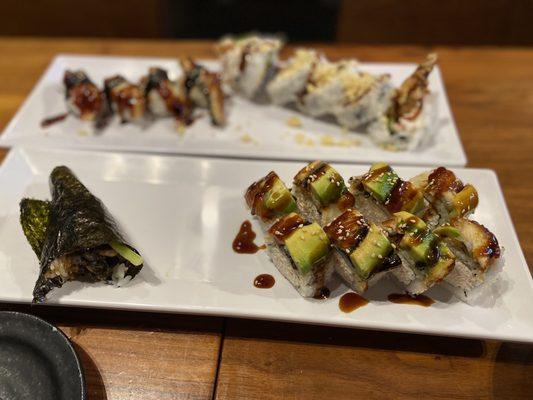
[[79, 231]]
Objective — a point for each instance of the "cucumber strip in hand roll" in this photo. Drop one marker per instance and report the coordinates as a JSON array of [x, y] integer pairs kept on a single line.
[[300, 250], [81, 242]]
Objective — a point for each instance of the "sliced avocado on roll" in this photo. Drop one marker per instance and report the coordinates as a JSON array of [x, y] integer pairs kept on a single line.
[[447, 231], [371, 253], [444, 264], [279, 198], [380, 181], [421, 246], [308, 246], [408, 222], [328, 187]]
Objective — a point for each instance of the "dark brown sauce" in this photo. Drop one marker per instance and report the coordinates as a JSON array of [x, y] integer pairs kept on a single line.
[[52, 120], [351, 301], [346, 201], [347, 230], [419, 300], [87, 98], [255, 194], [264, 281], [322, 294], [244, 241], [285, 226], [402, 193], [441, 180]]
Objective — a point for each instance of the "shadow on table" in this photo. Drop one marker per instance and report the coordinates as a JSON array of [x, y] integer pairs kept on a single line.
[[93, 379], [86, 317], [513, 372], [323, 335]]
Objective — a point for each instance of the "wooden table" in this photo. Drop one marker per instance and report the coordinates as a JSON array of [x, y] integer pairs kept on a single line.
[[153, 356]]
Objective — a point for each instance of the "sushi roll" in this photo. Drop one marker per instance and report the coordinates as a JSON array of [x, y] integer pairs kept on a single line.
[[426, 258], [204, 90], [300, 250], [83, 98], [320, 192], [248, 63], [365, 98], [381, 192], [292, 77], [268, 199], [165, 98], [410, 115], [126, 99], [446, 195], [324, 89], [478, 258], [362, 252], [75, 238]]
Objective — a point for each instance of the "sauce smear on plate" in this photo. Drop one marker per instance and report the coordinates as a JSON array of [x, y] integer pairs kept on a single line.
[[264, 281], [419, 300], [244, 241], [351, 301], [52, 120]]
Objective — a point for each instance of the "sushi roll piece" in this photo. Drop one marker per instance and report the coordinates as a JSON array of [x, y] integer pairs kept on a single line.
[[248, 62], [320, 192], [83, 97], [362, 251], [292, 77], [204, 89], [300, 250], [426, 258], [125, 98], [446, 195], [478, 259], [411, 114], [165, 98], [75, 238], [324, 88], [268, 199], [365, 98], [381, 192]]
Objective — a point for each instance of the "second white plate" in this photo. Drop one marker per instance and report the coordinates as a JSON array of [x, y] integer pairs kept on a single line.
[[182, 213], [254, 131]]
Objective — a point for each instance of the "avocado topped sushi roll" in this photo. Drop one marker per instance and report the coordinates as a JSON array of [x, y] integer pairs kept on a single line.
[[300, 250], [269, 199], [248, 62], [126, 99], [426, 259], [204, 89], [410, 115], [381, 192], [75, 238], [447, 195], [362, 252], [83, 97], [292, 76], [320, 192]]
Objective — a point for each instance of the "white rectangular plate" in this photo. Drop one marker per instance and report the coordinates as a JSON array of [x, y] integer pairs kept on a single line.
[[182, 214], [253, 131]]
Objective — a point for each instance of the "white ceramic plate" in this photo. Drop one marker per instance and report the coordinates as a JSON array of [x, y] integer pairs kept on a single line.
[[182, 214], [254, 131]]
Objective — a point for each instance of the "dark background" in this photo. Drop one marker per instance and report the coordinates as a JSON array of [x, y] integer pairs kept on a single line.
[[429, 22]]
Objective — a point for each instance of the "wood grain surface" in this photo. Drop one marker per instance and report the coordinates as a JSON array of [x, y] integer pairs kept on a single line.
[[157, 356]]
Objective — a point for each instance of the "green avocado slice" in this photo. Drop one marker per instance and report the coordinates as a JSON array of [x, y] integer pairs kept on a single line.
[[328, 187], [279, 198], [308, 246], [369, 255], [380, 181]]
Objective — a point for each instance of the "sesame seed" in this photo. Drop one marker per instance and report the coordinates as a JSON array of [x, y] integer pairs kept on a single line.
[[380, 256]]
